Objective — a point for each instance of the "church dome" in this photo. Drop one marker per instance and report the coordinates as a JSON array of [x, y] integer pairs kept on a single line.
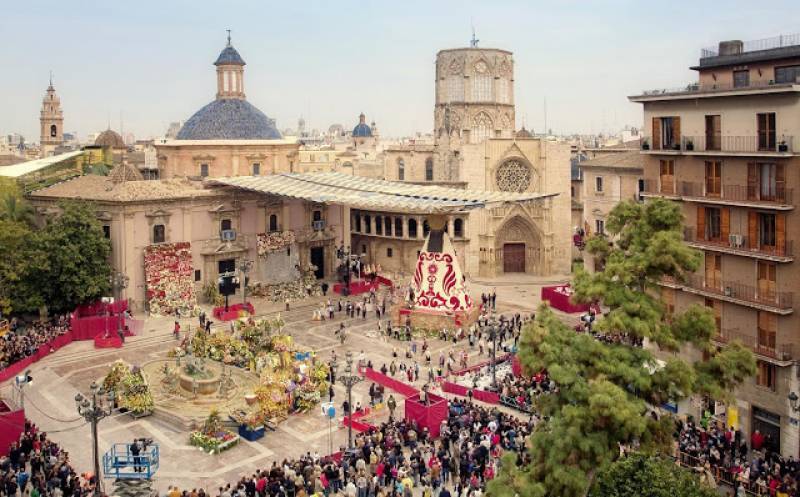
[[229, 119], [229, 55], [524, 133], [362, 129], [110, 139]]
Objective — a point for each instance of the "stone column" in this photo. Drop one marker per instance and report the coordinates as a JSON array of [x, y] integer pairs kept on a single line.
[[420, 228]]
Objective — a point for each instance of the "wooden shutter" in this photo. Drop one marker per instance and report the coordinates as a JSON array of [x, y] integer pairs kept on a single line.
[[656, 133], [701, 223], [752, 181], [780, 233], [752, 229], [725, 223], [676, 129], [780, 183]]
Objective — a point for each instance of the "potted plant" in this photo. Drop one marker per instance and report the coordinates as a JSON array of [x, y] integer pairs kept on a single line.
[[676, 146], [645, 144], [689, 144], [782, 146]]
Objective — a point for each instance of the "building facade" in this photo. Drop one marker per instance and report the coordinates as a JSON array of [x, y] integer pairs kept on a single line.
[[51, 123], [723, 147]]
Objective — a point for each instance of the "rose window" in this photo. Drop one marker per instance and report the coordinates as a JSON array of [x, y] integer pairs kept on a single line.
[[513, 176]]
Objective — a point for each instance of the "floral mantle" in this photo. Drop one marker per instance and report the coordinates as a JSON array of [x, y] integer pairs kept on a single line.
[[273, 242], [169, 276]]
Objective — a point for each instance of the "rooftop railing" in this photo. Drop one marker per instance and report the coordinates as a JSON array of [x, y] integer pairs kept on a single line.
[[725, 144], [779, 41], [714, 87]]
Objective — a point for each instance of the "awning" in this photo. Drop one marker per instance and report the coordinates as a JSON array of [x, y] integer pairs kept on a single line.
[[373, 194]]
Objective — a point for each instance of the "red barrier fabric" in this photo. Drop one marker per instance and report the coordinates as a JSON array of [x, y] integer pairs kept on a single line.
[[44, 350], [234, 311], [358, 425], [428, 415], [559, 297], [12, 424], [461, 391], [358, 287], [87, 328], [99, 307], [480, 365], [112, 341], [516, 366], [403, 389]]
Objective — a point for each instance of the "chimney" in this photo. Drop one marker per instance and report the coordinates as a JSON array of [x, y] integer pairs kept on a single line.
[[731, 47]]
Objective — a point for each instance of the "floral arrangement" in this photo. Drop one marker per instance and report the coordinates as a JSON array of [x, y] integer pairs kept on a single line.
[[272, 242], [252, 420], [212, 437], [169, 274], [134, 393], [119, 369], [307, 396]]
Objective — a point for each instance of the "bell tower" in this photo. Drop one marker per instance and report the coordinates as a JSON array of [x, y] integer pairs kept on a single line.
[[230, 72], [51, 120]]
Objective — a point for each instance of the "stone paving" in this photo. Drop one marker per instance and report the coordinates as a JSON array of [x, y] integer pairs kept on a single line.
[[49, 400]]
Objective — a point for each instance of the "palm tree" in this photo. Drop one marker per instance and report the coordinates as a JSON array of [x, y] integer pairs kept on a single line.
[[15, 209]]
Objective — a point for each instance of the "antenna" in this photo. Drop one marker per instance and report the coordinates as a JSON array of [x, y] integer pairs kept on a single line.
[[473, 43], [51, 77]]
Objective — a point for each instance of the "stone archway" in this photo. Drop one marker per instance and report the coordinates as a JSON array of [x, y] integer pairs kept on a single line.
[[518, 247]]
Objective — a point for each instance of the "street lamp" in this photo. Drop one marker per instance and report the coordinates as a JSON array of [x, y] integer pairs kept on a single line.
[[93, 409], [119, 281], [794, 401], [247, 266], [493, 330], [348, 379]]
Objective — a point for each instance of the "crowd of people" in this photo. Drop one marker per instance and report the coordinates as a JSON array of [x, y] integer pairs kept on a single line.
[[723, 455], [24, 340], [393, 459], [521, 392], [37, 467]]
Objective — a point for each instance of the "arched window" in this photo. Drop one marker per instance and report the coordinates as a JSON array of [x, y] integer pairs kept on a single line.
[[503, 95], [454, 88], [481, 83], [273, 222], [412, 228], [159, 235], [401, 169], [458, 228], [367, 224], [426, 228], [429, 169], [481, 128], [53, 130], [398, 227]]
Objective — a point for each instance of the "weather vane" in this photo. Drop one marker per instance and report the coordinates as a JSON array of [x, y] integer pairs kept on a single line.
[[229, 36], [474, 41]]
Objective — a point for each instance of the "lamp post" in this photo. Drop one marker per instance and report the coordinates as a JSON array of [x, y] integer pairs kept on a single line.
[[247, 266], [119, 281], [93, 409], [348, 379], [493, 337], [794, 401]]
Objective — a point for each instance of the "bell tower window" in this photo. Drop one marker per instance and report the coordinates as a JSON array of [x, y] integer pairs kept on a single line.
[[53, 130]]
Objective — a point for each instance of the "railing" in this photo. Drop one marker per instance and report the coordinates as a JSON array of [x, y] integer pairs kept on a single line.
[[652, 186], [739, 244], [737, 193], [780, 352], [779, 41], [739, 291], [750, 143], [696, 87], [720, 474]]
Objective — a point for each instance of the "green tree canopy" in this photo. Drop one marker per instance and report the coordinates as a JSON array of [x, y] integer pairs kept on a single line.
[[639, 475], [606, 390]]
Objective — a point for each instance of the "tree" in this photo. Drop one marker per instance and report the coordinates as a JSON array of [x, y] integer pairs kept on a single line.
[[77, 253], [606, 390], [19, 291], [13, 206], [640, 475]]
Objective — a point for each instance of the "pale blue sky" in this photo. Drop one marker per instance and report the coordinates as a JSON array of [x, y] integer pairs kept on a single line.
[[330, 60]]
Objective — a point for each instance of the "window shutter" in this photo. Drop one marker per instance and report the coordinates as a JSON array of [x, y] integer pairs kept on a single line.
[[752, 181], [701, 223], [656, 133], [780, 183], [676, 129], [752, 229], [725, 223], [780, 233]]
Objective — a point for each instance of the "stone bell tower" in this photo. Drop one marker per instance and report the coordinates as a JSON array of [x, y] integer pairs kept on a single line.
[[51, 121]]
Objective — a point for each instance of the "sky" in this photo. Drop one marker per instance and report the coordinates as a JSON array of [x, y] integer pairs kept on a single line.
[[141, 65]]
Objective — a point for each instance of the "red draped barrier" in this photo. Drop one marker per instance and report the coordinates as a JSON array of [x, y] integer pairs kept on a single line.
[[559, 297], [12, 424], [358, 287], [428, 415], [354, 421], [99, 307], [516, 366], [112, 341], [43, 350], [462, 391], [480, 365], [234, 311], [403, 389]]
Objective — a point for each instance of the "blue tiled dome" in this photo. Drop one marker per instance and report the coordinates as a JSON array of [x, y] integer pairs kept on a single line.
[[229, 55], [229, 119], [362, 130]]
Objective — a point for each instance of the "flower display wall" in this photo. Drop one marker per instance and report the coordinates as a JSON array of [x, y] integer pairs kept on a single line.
[[169, 275], [272, 242]]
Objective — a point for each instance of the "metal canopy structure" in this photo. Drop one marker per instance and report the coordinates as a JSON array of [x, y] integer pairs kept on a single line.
[[373, 194]]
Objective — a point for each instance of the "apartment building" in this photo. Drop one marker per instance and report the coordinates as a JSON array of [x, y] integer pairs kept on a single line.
[[724, 148]]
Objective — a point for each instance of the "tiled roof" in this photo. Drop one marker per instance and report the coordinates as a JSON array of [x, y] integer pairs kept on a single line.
[[629, 160], [229, 55], [101, 188], [362, 130], [372, 194], [229, 119]]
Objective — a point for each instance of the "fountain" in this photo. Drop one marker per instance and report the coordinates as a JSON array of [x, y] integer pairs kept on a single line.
[[198, 379]]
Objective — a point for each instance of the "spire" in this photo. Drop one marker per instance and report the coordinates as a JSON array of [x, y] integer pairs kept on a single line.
[[229, 37], [51, 79]]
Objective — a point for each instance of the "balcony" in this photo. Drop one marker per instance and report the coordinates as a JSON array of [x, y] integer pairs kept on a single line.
[[744, 145], [779, 198], [781, 353], [697, 90], [739, 245], [737, 293]]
